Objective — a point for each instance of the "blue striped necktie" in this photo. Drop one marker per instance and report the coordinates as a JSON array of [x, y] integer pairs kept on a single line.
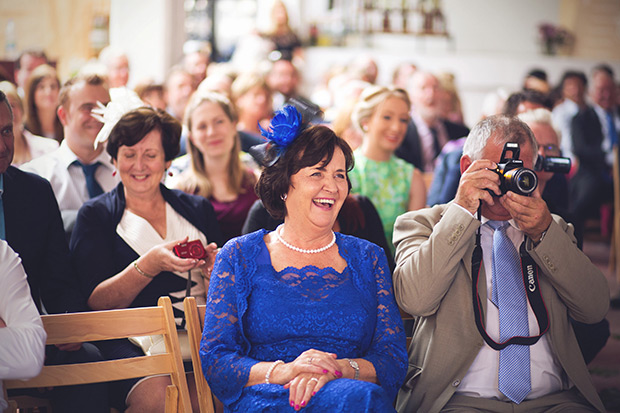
[[509, 297]]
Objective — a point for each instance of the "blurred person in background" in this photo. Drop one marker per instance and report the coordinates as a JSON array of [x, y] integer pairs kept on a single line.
[[402, 73], [450, 107], [116, 65], [196, 60], [151, 93], [284, 80], [215, 170], [427, 131], [285, 41], [393, 185], [26, 145], [252, 98], [24, 65], [572, 88], [536, 79], [42, 93]]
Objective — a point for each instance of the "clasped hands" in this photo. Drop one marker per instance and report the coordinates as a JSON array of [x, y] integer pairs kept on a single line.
[[307, 374], [162, 258], [530, 213]]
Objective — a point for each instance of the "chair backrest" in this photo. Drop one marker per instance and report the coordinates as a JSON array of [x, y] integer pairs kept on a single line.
[[109, 325], [195, 317]]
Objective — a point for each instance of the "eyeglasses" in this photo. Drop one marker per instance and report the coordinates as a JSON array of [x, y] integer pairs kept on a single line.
[[550, 150]]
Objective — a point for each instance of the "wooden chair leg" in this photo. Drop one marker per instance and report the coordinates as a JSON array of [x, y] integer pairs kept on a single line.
[[172, 399]]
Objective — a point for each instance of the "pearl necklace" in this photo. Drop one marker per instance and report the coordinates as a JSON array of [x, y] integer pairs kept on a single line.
[[303, 251]]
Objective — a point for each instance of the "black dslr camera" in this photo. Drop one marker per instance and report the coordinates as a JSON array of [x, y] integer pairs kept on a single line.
[[513, 175], [555, 164]]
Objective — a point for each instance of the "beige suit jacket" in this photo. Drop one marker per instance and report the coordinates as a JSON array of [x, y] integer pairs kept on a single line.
[[432, 282]]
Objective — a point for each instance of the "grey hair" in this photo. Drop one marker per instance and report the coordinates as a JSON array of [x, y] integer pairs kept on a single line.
[[4, 99], [541, 116], [501, 129], [370, 98]]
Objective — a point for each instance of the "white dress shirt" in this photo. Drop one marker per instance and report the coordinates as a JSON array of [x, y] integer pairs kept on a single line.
[[22, 348], [481, 379]]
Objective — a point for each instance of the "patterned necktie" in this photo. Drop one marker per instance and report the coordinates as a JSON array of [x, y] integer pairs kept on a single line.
[[613, 134], [92, 185], [509, 297]]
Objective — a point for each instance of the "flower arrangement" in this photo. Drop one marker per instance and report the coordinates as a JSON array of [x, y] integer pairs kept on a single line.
[[553, 37]]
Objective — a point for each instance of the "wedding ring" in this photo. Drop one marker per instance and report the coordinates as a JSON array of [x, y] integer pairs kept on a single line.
[[313, 379]]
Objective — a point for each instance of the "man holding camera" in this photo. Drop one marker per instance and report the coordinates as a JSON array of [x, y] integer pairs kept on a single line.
[[511, 348]]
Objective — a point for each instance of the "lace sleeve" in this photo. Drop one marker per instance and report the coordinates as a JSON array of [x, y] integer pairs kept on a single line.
[[223, 346], [387, 352]]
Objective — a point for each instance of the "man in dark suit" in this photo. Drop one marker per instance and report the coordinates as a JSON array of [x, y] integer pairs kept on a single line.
[[452, 366], [32, 226], [594, 132], [426, 133]]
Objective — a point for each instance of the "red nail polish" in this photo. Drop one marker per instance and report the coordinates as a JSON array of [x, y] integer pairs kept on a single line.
[[337, 373], [324, 371], [313, 393], [296, 407], [292, 404], [303, 403]]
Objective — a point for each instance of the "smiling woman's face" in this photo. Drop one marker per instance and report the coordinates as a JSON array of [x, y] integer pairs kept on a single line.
[[142, 166], [317, 192]]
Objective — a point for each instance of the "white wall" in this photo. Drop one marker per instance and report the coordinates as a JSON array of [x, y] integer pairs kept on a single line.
[[151, 32]]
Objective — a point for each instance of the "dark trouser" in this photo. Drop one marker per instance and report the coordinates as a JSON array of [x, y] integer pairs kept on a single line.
[[569, 401], [92, 398]]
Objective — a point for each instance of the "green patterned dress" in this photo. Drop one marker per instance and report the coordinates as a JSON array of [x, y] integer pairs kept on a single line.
[[386, 184]]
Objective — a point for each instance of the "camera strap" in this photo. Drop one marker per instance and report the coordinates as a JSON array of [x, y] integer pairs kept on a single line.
[[530, 271]]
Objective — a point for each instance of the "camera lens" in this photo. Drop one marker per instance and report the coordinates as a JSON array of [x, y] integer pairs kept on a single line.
[[523, 181]]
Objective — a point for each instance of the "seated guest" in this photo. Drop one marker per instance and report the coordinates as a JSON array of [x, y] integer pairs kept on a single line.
[[594, 130], [427, 131], [21, 332], [273, 337], [572, 88], [116, 65], [499, 352], [27, 61], [357, 217], [525, 100], [77, 170], [216, 171], [536, 79], [42, 91], [284, 80], [26, 145], [151, 93], [122, 245], [27, 207], [252, 98], [393, 185]]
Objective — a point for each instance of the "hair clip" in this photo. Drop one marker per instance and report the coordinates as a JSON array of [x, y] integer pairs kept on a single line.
[[122, 100]]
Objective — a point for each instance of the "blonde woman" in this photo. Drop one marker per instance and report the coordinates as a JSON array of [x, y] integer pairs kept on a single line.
[[215, 170], [393, 185]]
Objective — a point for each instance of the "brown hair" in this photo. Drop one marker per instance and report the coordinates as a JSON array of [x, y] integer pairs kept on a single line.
[[196, 180], [32, 122], [136, 124], [89, 79], [314, 145]]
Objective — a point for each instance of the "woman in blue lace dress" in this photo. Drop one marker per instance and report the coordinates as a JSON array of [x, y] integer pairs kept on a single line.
[[302, 318]]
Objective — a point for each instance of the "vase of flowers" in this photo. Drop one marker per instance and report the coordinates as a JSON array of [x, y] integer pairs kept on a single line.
[[553, 37]]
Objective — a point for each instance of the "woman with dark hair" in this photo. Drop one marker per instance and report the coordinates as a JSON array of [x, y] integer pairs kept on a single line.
[[123, 241], [42, 90], [302, 316]]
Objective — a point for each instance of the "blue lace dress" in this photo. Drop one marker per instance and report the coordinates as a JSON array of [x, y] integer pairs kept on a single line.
[[255, 313]]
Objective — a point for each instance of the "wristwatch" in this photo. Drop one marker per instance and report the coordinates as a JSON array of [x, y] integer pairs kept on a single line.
[[356, 367]]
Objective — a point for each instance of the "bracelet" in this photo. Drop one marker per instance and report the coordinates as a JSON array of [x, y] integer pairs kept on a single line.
[[135, 265], [270, 370]]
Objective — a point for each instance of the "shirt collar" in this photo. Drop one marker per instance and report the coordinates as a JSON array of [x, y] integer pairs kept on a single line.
[[66, 157]]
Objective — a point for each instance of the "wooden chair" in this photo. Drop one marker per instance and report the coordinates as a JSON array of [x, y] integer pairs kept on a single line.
[[109, 325], [195, 318]]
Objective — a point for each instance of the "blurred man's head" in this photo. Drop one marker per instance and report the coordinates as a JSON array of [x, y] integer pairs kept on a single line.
[[423, 90], [547, 137], [573, 86], [6, 133], [179, 88], [195, 63], [283, 77], [26, 63], [603, 88]]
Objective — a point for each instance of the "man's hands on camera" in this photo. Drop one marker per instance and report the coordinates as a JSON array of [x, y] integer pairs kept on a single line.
[[530, 213], [475, 183]]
